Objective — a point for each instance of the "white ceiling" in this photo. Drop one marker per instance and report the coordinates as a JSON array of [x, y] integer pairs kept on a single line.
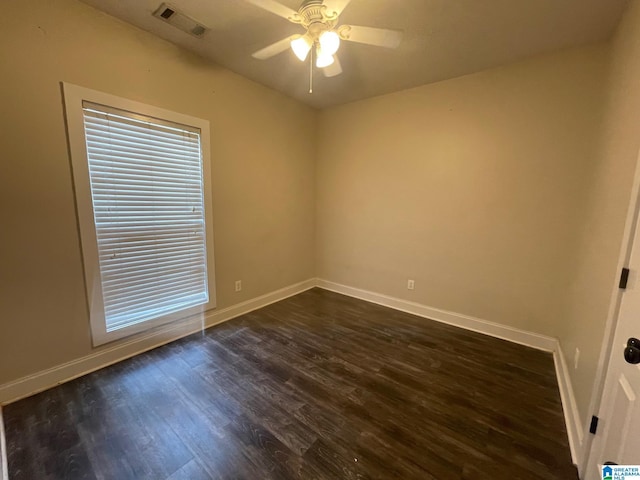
[[442, 39]]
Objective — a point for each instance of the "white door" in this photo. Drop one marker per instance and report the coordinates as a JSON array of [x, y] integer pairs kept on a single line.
[[618, 436]]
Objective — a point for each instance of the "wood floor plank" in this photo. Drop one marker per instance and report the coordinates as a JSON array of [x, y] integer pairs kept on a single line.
[[319, 386]]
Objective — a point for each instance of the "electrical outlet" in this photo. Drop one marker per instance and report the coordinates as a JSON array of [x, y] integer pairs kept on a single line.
[[576, 358], [411, 284], [238, 285]]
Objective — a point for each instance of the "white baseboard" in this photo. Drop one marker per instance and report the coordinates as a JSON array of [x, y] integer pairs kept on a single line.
[[4, 468], [516, 335], [575, 430], [29, 385]]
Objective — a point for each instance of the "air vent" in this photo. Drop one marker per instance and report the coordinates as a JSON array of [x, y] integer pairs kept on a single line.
[[166, 13], [198, 30], [179, 20]]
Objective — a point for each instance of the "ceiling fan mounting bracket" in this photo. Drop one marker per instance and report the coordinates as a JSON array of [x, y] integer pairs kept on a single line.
[[315, 13]]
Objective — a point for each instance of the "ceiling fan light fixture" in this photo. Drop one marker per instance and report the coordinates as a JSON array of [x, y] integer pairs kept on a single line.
[[301, 46], [324, 59], [329, 42]]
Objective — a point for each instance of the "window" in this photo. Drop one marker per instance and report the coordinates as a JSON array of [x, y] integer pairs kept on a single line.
[[141, 179]]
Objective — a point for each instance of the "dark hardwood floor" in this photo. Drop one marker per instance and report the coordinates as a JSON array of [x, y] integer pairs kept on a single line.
[[318, 386]]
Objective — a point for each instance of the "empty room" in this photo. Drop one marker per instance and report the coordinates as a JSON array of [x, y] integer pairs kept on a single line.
[[328, 239]]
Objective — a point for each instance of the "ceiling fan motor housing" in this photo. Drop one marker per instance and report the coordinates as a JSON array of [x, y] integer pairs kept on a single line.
[[314, 16]]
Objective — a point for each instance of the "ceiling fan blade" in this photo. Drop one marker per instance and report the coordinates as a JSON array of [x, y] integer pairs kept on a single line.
[[274, 49], [336, 6], [380, 37], [334, 69], [274, 7]]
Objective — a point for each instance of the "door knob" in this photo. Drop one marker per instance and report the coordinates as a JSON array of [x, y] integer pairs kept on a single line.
[[632, 351]]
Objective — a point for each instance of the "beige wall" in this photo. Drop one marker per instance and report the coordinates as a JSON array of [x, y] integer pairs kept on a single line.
[[263, 170], [609, 196], [474, 187]]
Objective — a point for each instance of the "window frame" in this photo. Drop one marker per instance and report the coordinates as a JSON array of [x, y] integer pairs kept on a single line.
[[74, 96]]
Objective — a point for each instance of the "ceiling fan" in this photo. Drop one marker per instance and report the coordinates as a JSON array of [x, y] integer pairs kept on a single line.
[[323, 34]]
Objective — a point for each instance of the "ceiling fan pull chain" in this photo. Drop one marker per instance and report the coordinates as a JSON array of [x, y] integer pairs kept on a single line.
[[311, 71]]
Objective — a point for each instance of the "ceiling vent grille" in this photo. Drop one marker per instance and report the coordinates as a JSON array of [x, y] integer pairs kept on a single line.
[[179, 20]]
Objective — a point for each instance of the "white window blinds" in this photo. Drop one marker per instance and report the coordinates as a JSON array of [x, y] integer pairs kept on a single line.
[[148, 204]]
